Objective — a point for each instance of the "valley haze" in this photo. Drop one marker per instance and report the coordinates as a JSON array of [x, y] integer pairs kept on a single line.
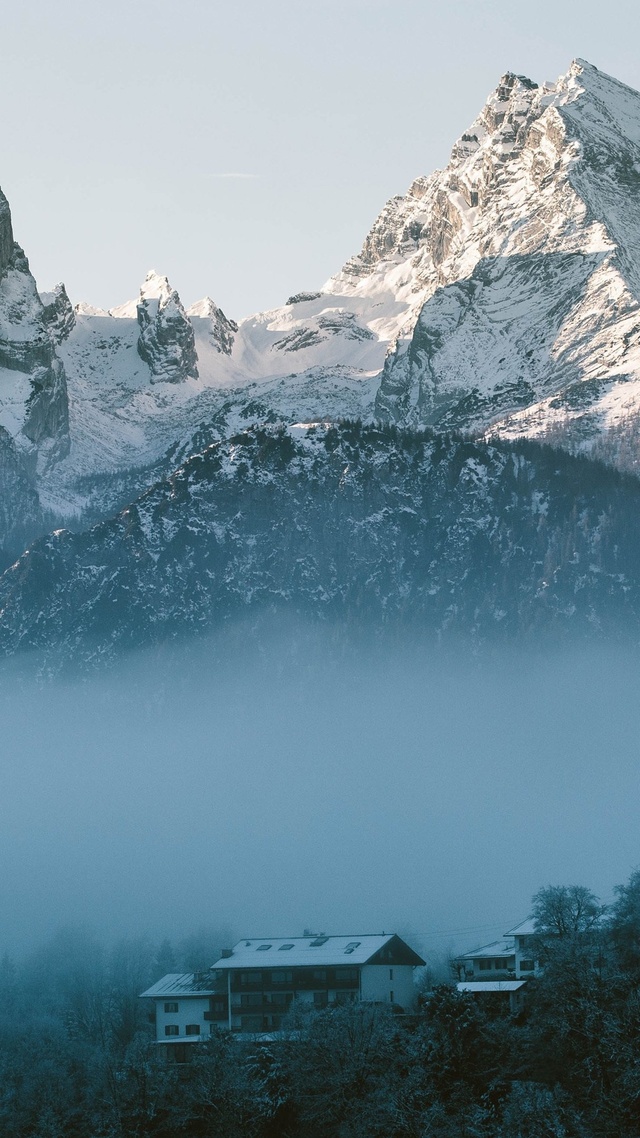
[[286, 789]]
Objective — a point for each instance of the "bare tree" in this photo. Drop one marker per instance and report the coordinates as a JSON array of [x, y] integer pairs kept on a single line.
[[566, 910]]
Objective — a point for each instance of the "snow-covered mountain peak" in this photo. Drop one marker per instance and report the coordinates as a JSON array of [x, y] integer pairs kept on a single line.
[[501, 292], [156, 287], [505, 111], [208, 309], [166, 340], [58, 312], [217, 331], [204, 307], [83, 308]]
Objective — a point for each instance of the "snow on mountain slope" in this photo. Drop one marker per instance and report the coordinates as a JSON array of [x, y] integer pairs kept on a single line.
[[126, 416], [537, 291], [501, 293], [33, 396]]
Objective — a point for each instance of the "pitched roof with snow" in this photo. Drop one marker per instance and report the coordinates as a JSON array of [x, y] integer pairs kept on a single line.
[[179, 984], [307, 951], [495, 949], [525, 928]]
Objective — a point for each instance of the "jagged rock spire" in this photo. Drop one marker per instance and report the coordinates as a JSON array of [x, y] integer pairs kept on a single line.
[[35, 413], [166, 341], [59, 315]]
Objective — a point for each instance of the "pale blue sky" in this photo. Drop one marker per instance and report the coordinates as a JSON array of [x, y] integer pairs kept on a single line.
[[122, 119]]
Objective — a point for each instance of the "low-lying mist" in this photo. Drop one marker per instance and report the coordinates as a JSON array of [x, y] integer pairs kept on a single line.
[[279, 790]]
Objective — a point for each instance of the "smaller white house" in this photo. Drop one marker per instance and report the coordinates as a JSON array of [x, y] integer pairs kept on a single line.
[[511, 958], [183, 1004], [501, 969]]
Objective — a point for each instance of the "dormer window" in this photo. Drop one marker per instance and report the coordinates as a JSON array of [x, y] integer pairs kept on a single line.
[[320, 940], [263, 948]]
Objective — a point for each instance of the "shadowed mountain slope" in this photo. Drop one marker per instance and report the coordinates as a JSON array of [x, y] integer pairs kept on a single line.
[[370, 527]]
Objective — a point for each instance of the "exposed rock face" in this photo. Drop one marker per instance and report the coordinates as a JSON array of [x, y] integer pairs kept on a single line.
[[166, 340], [528, 248], [20, 513], [427, 533], [33, 390], [59, 315], [6, 233], [301, 297], [221, 330], [502, 294]]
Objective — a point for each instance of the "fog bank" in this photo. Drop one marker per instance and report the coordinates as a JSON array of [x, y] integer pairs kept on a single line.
[[272, 792]]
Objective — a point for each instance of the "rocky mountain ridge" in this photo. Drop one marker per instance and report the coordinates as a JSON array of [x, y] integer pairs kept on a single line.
[[500, 294], [534, 321], [33, 391], [499, 297], [354, 526]]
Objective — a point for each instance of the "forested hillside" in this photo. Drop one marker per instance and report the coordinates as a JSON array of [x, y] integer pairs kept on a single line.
[[77, 1057]]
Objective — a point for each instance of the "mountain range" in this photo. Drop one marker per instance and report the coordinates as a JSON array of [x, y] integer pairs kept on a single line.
[[445, 434]]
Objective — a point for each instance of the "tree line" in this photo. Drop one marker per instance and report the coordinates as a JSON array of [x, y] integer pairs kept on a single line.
[[77, 1057]]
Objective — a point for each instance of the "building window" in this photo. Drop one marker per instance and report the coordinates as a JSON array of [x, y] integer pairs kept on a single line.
[[484, 964], [171, 1029], [527, 965], [320, 974], [349, 975], [171, 1007], [282, 977], [391, 973], [263, 948], [251, 999], [390, 997], [320, 999], [281, 998], [251, 977], [192, 1029], [285, 947]]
